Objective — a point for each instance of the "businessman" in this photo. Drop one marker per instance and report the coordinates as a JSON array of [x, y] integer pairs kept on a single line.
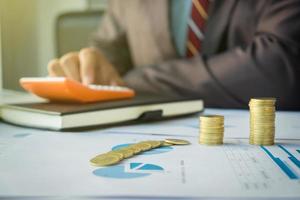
[[222, 51]]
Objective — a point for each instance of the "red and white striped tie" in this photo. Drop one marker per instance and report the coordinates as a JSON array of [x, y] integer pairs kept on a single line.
[[196, 25]]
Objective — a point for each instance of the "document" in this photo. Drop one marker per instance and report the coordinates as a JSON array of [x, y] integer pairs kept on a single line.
[[39, 163]]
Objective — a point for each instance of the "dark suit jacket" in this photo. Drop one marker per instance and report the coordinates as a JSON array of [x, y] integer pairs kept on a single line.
[[251, 49]]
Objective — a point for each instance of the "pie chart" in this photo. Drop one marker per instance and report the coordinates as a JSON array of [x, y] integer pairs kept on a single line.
[[128, 171], [133, 169]]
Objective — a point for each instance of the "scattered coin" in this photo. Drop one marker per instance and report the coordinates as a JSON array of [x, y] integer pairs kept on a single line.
[[105, 160], [177, 141], [154, 143], [115, 156], [126, 152], [143, 146], [165, 144], [120, 155], [135, 149]]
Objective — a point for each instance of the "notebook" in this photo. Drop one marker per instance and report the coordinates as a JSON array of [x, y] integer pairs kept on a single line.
[[66, 116]]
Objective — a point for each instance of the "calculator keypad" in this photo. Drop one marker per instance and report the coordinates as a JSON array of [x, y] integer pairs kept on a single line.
[[107, 87]]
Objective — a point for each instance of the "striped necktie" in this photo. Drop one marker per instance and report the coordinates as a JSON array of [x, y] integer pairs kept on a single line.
[[196, 25]]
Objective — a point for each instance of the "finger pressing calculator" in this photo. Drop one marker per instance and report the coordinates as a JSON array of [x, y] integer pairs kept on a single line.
[[64, 89]]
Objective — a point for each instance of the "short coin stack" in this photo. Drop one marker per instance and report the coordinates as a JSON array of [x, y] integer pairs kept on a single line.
[[115, 156], [262, 121], [211, 129]]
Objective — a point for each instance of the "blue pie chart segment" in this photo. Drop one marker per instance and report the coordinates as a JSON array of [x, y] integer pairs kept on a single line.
[[145, 167], [136, 170], [118, 172], [153, 151]]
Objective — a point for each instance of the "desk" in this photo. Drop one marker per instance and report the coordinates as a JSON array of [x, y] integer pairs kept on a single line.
[[46, 163]]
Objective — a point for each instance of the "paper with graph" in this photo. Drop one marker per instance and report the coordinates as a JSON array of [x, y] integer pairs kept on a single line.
[[40, 164]]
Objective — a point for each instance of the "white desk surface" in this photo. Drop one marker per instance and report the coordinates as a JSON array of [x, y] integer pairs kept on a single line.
[[37, 163]]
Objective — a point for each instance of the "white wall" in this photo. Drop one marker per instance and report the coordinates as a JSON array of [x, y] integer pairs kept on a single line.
[[18, 39], [28, 38], [46, 24], [0, 58]]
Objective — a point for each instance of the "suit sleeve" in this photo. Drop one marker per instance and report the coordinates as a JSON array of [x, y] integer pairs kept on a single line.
[[268, 66], [111, 39]]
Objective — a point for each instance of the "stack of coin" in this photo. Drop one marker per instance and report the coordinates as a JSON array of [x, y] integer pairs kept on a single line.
[[115, 156], [262, 121], [211, 129]]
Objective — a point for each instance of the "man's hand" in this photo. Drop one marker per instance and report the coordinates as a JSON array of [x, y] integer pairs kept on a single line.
[[88, 66]]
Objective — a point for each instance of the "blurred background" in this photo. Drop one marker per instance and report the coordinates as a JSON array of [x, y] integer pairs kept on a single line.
[[34, 31]]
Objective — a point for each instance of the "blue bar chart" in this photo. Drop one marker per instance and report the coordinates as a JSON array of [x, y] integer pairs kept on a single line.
[[291, 156], [284, 165]]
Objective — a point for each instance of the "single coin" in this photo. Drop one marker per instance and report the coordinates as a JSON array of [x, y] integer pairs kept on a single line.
[[134, 148], [262, 124], [262, 127], [259, 117], [262, 113], [261, 139], [267, 135], [269, 138], [105, 160], [216, 128], [262, 143], [98, 156], [210, 139], [211, 142], [121, 156], [212, 131], [212, 118], [213, 134], [211, 124], [143, 146], [260, 105], [264, 109], [262, 133], [177, 141], [210, 127], [262, 118], [127, 153], [154, 143], [263, 100], [165, 144], [205, 137]]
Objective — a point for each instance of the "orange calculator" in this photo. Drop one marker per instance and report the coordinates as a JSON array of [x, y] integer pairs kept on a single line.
[[64, 89]]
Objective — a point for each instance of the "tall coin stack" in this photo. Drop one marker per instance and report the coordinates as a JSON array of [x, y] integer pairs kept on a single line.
[[262, 121], [211, 129]]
